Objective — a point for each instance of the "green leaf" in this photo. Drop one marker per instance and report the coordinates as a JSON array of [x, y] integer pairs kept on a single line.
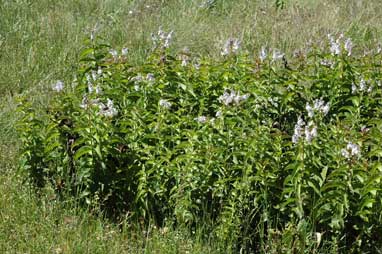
[[355, 100], [314, 187], [82, 151]]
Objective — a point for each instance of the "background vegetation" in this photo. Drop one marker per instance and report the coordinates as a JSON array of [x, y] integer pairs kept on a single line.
[[40, 42]]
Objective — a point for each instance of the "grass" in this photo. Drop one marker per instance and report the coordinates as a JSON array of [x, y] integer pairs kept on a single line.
[[39, 43], [31, 225]]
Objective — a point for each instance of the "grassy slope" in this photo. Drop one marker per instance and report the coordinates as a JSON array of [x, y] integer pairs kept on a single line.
[[39, 43]]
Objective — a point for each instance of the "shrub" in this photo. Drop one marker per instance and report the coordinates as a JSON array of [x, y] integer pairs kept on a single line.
[[264, 149]]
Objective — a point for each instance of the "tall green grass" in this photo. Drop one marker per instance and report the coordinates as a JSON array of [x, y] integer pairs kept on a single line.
[[31, 224], [39, 40]]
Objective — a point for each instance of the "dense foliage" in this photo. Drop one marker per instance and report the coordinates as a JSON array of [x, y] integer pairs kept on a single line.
[[265, 149]]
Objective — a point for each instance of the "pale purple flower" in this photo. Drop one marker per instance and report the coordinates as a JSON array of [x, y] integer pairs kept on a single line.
[[364, 129], [137, 79], [335, 47], [114, 53], [351, 150], [310, 110], [98, 90], [318, 106], [298, 130], [150, 77], [94, 75], [165, 103], [201, 119], [84, 102], [161, 38], [90, 87], [325, 109], [348, 46], [88, 78], [370, 89], [277, 55], [362, 85], [263, 54], [207, 3], [58, 86], [94, 31], [231, 46], [124, 51], [231, 96], [327, 63], [109, 110], [227, 97], [273, 101], [239, 98], [345, 153], [167, 40], [185, 59], [310, 132]]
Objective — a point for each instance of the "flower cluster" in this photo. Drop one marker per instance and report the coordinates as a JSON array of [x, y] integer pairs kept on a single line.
[[309, 131], [351, 151], [184, 56], [201, 119], [162, 39], [335, 45], [207, 4], [263, 54], [230, 96], [149, 78], [94, 31], [58, 86], [93, 77], [348, 46], [85, 104], [361, 87], [107, 110], [319, 106], [231, 46], [114, 53], [298, 130], [165, 104], [327, 63], [276, 54], [301, 129]]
